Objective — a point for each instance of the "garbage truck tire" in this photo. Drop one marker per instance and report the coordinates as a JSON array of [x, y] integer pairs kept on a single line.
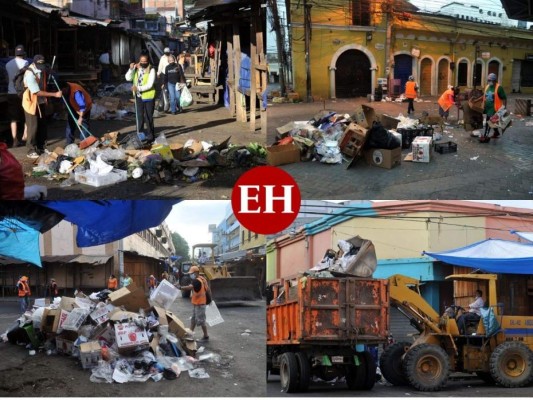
[[304, 367], [288, 371], [390, 363]]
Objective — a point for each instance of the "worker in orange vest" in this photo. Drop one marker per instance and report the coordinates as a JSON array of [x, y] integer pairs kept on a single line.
[[152, 284], [24, 293], [494, 97], [80, 104], [199, 299], [411, 89], [446, 101], [112, 283]]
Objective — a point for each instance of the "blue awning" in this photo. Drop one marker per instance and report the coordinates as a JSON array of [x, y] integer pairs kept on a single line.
[[491, 255]]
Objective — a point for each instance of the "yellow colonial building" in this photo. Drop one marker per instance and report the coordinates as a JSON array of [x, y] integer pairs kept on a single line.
[[354, 45]]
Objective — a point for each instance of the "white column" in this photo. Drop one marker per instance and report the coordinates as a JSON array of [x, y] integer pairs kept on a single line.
[[333, 94]]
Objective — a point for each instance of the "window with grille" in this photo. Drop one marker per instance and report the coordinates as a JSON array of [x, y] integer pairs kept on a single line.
[[360, 12]]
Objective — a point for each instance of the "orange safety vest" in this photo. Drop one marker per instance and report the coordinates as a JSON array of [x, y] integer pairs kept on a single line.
[[112, 283], [25, 291], [410, 90], [497, 100], [151, 282], [444, 101], [200, 298], [77, 88]]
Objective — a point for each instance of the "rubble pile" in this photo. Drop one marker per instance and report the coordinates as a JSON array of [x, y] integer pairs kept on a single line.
[[115, 158], [120, 336]]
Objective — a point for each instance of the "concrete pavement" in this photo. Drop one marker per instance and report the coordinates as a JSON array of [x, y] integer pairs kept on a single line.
[[501, 169]]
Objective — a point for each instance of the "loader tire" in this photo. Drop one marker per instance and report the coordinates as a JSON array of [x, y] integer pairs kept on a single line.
[[304, 368], [427, 367], [362, 376], [511, 365], [288, 371], [391, 361]]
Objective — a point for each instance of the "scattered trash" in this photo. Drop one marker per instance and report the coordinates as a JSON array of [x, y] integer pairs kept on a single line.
[[474, 158], [198, 373]]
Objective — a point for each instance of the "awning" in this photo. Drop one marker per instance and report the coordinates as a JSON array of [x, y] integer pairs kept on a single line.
[[68, 259], [491, 255], [524, 235]]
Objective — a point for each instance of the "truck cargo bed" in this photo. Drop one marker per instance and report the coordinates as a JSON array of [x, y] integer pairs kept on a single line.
[[329, 311]]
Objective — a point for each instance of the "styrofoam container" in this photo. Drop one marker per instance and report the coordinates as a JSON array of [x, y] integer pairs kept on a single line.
[[88, 178], [75, 319], [165, 294], [90, 354]]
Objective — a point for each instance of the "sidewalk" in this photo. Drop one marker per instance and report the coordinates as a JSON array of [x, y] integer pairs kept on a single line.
[[501, 169]]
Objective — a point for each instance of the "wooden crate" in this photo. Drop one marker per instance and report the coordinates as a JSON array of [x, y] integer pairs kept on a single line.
[[353, 140]]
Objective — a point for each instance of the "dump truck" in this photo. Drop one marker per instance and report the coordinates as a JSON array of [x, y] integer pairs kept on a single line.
[[321, 326], [498, 348], [225, 287]]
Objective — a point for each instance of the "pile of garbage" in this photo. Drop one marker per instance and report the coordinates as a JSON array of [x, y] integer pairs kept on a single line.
[[112, 159], [120, 336]]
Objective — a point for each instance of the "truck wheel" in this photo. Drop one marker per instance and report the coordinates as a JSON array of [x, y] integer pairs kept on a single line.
[[304, 367], [390, 363], [288, 371], [511, 364], [362, 376], [427, 367]]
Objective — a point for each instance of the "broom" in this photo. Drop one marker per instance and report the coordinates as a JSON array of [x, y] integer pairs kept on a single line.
[[87, 140]]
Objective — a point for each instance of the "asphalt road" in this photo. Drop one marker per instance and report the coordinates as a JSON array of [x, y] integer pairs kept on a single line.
[[459, 386], [242, 363]]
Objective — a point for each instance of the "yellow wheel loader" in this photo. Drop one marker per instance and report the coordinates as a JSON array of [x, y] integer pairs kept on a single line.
[[498, 348], [225, 287]]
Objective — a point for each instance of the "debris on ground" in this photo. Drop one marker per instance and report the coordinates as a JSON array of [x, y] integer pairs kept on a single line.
[[120, 336]]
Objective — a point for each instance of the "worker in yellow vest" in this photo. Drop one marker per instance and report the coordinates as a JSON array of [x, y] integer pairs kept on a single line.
[[142, 75], [80, 104], [446, 101], [493, 98], [411, 89]]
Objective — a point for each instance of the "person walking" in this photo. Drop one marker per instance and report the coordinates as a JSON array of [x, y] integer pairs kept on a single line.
[[411, 89], [199, 289], [143, 77], [14, 102], [24, 293], [173, 75], [494, 98], [80, 104], [112, 283], [33, 103], [163, 62], [105, 62], [446, 101], [152, 284], [53, 290]]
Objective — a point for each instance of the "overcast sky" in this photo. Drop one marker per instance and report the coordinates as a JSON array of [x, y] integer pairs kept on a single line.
[[191, 219]]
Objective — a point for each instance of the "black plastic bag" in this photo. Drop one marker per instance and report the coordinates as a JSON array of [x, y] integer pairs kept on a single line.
[[380, 138]]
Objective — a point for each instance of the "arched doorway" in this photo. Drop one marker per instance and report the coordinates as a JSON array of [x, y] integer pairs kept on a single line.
[[425, 77], [353, 76], [442, 75], [462, 73], [494, 68], [478, 70], [403, 68]]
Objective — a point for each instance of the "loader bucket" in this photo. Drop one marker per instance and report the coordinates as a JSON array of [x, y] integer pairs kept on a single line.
[[235, 288]]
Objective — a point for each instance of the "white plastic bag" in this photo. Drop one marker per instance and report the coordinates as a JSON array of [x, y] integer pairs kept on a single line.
[[185, 98]]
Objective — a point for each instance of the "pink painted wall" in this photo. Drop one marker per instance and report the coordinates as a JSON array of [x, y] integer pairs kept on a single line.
[[499, 227], [292, 259], [318, 246]]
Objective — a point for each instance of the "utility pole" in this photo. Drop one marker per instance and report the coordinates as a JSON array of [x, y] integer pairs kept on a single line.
[[280, 45], [307, 28], [476, 54], [389, 54]]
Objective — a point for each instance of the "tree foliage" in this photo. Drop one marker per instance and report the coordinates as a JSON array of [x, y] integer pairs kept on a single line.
[[181, 246]]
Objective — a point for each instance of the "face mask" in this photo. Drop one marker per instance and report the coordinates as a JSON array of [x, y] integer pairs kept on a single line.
[[41, 67], [143, 65], [491, 83]]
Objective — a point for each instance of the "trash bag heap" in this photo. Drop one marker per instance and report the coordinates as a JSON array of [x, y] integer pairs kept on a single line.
[[120, 336]]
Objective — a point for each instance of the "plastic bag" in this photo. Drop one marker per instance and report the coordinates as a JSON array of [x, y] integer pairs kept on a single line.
[[185, 98], [102, 373], [198, 373], [100, 167], [161, 139]]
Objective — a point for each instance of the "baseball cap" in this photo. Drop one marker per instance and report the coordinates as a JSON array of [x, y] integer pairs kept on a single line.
[[194, 269], [38, 59], [19, 50], [167, 50]]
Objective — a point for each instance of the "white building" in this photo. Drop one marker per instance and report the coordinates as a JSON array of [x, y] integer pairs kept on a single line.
[[493, 14]]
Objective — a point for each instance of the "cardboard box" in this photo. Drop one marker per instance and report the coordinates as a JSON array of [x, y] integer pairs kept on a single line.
[[68, 303], [190, 346], [65, 342], [105, 333], [165, 294], [386, 121], [360, 117], [131, 297], [384, 158], [75, 319], [50, 320], [177, 327], [422, 149], [160, 314], [90, 354], [41, 302], [62, 318], [101, 314], [353, 140], [130, 337], [177, 150], [283, 154]]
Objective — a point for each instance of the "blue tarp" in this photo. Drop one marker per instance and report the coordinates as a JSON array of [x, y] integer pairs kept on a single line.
[[98, 222], [491, 255]]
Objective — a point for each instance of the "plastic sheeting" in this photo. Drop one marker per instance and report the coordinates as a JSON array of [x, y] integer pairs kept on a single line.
[[491, 255], [524, 235]]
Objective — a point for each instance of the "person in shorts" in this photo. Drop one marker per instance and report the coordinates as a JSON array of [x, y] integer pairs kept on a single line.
[[199, 289]]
